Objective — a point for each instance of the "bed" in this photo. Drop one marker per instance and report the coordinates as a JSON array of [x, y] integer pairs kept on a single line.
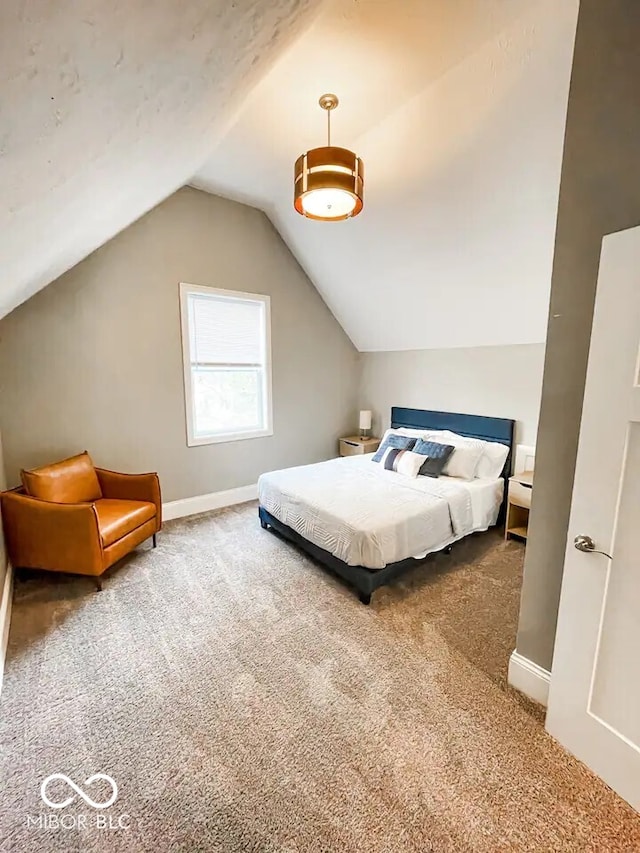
[[369, 525]]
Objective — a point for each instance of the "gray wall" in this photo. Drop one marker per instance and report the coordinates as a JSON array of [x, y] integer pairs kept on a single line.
[[502, 381], [599, 194], [95, 361]]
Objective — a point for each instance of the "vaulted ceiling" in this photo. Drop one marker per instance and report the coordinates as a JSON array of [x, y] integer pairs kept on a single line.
[[456, 106], [109, 106]]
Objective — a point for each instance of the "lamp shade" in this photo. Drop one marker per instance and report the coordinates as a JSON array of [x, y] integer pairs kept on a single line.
[[328, 184], [328, 181], [365, 419]]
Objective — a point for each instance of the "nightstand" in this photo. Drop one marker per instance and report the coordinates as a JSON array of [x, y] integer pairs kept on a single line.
[[355, 445], [518, 505]]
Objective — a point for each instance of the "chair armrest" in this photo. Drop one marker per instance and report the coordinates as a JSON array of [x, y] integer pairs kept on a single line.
[[44, 535], [131, 487]]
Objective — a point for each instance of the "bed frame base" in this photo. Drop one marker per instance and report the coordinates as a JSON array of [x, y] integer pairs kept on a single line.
[[364, 581]]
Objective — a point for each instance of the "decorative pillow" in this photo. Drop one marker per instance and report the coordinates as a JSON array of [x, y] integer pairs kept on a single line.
[[391, 439], [436, 456], [402, 461], [386, 435]]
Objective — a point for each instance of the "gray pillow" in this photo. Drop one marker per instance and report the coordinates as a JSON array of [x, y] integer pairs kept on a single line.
[[436, 456]]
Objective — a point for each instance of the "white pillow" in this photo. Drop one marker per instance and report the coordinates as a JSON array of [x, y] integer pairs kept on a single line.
[[398, 432], [493, 456], [463, 462], [409, 431], [406, 462], [387, 433], [437, 435], [492, 460], [456, 437]]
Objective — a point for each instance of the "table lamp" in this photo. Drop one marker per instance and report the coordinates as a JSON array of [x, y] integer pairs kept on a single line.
[[365, 423]]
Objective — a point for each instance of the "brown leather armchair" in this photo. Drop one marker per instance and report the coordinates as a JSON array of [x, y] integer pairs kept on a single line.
[[72, 517]]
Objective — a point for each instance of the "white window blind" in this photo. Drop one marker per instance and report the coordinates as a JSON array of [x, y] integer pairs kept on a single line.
[[226, 331], [227, 364]]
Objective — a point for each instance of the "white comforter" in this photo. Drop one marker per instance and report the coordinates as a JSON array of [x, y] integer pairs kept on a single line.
[[367, 516]]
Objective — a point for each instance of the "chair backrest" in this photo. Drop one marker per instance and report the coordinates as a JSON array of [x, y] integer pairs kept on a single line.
[[70, 481]]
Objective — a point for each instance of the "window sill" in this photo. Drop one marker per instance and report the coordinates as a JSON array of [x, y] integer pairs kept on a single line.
[[227, 437]]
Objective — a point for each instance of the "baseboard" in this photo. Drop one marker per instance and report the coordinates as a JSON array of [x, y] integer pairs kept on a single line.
[[5, 617], [204, 503], [529, 678]]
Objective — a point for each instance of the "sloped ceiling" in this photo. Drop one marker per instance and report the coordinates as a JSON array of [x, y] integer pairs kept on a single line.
[[108, 106], [457, 108]]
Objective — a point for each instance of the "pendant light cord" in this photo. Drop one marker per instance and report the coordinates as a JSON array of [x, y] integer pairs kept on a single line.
[[329, 128]]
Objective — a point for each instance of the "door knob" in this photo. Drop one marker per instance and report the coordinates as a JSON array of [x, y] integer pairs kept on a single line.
[[587, 545]]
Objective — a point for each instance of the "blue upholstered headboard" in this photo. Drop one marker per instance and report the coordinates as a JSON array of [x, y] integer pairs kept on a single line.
[[473, 426]]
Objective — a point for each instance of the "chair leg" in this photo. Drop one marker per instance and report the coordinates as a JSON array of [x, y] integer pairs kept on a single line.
[[99, 584], [155, 541]]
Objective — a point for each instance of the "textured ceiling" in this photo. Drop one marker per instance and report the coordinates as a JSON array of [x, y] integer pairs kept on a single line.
[[458, 109], [108, 106]]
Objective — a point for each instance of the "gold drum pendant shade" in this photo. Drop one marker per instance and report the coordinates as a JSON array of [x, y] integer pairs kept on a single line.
[[328, 181]]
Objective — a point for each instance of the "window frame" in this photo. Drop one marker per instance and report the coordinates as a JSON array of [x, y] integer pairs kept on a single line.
[[194, 440]]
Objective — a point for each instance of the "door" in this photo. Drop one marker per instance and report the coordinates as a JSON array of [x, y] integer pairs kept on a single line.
[[594, 696]]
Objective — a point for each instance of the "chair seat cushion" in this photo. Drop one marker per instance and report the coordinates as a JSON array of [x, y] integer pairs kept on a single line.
[[116, 518]]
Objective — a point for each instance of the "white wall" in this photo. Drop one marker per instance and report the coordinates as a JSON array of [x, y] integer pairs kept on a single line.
[[496, 381]]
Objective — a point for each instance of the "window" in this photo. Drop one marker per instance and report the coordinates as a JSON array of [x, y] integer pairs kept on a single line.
[[226, 349]]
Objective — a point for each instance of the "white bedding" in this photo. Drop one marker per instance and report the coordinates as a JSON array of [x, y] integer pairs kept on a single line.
[[367, 516]]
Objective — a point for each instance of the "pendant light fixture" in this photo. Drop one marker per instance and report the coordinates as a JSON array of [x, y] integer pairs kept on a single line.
[[328, 181]]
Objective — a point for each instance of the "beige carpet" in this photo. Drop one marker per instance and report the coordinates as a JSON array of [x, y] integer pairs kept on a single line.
[[244, 700]]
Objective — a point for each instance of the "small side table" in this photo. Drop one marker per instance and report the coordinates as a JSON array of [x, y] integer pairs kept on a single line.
[[518, 505], [355, 445]]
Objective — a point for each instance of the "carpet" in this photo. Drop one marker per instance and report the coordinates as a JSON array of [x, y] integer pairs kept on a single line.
[[242, 699]]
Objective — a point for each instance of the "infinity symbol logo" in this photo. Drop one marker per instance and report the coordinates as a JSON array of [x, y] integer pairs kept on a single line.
[[79, 791]]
